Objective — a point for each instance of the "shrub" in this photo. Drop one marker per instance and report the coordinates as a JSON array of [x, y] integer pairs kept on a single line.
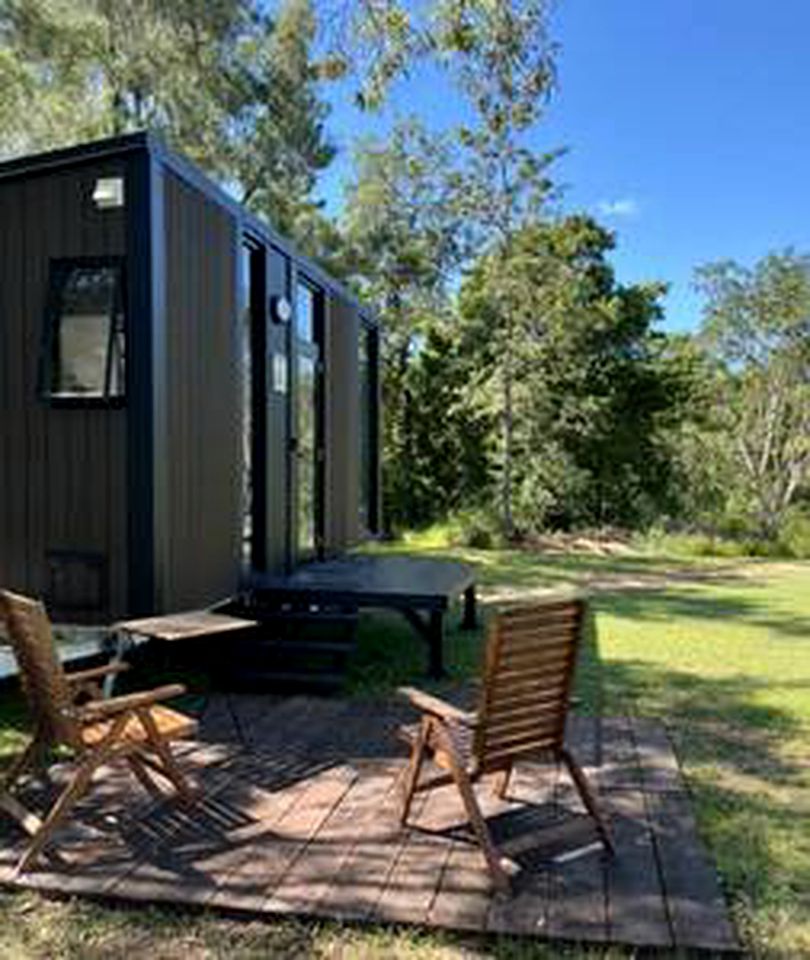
[[477, 528], [794, 536]]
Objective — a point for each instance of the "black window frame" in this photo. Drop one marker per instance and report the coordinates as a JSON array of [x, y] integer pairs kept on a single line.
[[59, 270]]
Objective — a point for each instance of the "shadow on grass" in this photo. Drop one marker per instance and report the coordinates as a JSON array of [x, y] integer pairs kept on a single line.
[[681, 602], [637, 587], [519, 567], [715, 718]]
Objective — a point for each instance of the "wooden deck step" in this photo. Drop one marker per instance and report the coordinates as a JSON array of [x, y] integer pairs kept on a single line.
[[294, 650], [290, 681], [294, 647]]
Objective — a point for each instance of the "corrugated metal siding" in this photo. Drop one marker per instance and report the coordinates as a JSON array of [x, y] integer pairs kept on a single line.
[[62, 471], [342, 396], [203, 391]]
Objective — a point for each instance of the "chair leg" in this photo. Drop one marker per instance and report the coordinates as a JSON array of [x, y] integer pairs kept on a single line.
[[73, 791], [34, 756], [138, 767], [479, 825], [9, 804], [169, 767], [588, 798], [67, 799], [501, 784], [413, 770]]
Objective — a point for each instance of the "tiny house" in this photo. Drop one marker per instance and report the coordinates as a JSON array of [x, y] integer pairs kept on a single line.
[[186, 402]]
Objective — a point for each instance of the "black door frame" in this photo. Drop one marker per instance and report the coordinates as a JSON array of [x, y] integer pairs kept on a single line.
[[317, 349], [257, 308]]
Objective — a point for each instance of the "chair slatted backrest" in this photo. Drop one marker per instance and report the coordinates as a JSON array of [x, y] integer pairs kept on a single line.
[[41, 672], [530, 659]]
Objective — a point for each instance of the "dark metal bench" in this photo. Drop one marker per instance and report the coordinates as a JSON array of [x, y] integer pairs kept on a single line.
[[421, 589]]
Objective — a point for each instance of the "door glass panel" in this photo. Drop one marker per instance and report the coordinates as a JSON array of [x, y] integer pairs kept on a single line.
[[364, 370], [307, 353], [307, 452], [305, 313], [246, 328]]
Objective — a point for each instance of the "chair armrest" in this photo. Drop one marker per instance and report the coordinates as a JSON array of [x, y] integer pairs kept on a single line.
[[98, 709], [96, 673], [436, 707]]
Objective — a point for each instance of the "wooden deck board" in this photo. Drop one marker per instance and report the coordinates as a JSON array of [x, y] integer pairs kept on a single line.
[[693, 896], [307, 883], [299, 817], [657, 764], [267, 859], [637, 911], [410, 884]]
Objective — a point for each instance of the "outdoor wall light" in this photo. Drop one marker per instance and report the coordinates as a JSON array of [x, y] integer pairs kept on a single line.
[[280, 309], [108, 193]]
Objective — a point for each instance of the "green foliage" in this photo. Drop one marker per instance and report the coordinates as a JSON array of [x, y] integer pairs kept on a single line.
[[794, 535], [379, 41], [478, 528], [503, 61], [223, 81], [733, 539], [403, 241], [757, 326], [444, 463], [284, 145], [500, 58], [595, 388], [684, 544]]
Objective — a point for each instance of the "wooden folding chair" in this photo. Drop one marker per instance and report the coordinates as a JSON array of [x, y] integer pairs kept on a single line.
[[67, 711], [530, 658]]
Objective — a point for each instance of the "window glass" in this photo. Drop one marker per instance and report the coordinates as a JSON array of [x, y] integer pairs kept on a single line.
[[87, 345], [305, 313]]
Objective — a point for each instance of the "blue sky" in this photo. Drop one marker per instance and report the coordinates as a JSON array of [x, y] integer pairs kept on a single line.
[[687, 128]]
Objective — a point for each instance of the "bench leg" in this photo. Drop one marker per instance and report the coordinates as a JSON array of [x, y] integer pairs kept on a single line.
[[469, 621], [436, 644], [431, 628]]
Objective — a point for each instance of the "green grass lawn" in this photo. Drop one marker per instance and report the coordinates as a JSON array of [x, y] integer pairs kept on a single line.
[[718, 650]]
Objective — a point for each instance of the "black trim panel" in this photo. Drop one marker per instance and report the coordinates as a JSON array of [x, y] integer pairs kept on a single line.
[[140, 379]]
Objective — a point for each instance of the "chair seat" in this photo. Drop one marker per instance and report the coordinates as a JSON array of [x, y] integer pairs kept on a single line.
[[171, 726], [461, 735]]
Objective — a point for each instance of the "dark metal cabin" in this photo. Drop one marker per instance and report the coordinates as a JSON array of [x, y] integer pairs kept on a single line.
[[184, 400]]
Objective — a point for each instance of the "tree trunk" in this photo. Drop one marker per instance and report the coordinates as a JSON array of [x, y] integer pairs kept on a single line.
[[508, 440]]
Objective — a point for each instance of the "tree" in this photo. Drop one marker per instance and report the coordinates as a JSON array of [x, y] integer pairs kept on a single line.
[[450, 436], [284, 144], [503, 62], [231, 87], [757, 326], [697, 441], [595, 387], [499, 57], [403, 239]]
